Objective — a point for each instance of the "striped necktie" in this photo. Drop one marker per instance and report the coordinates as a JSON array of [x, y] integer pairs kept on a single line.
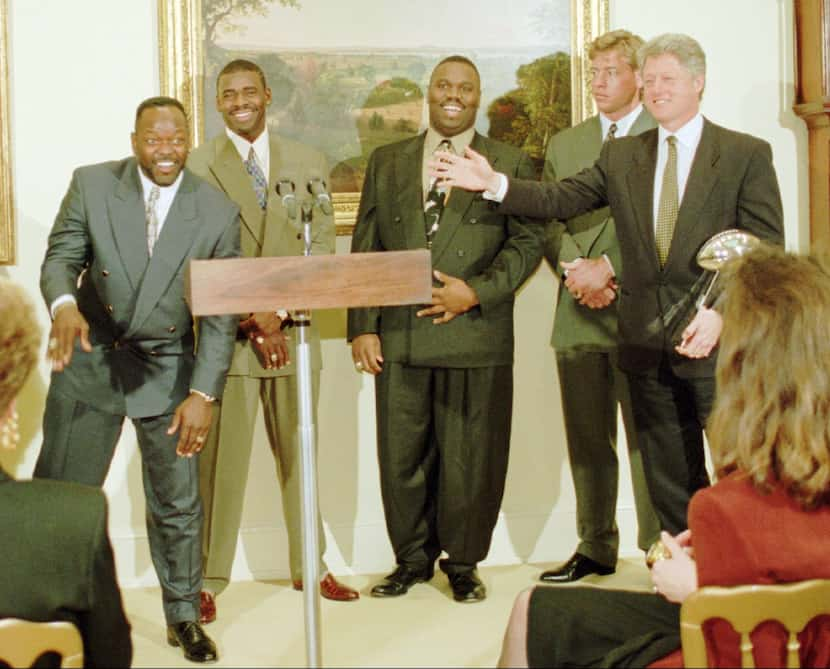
[[151, 218], [258, 180], [612, 132]]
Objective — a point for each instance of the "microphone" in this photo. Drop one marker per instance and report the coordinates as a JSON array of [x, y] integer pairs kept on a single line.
[[317, 187], [285, 189]]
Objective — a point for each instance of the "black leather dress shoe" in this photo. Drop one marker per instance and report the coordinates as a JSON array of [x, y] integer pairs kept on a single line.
[[467, 587], [400, 580], [191, 637], [578, 566]]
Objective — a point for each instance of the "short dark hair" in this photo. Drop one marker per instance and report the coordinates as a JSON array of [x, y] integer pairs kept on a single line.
[[159, 101], [457, 58], [241, 65]]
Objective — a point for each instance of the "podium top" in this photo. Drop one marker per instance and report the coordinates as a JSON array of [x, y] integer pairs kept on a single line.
[[243, 285]]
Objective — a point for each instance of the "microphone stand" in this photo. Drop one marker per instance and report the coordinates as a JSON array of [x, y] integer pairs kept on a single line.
[[308, 468]]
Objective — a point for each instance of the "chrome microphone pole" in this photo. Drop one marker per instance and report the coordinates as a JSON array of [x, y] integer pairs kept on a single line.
[[308, 468]]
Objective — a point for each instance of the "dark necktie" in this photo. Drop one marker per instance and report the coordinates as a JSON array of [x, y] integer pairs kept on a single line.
[[435, 199], [257, 179], [612, 132]]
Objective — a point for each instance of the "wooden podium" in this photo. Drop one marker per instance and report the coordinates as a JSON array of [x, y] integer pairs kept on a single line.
[[300, 283]]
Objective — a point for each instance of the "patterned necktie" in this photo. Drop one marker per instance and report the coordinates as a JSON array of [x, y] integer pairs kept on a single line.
[[257, 179], [669, 203], [152, 219], [612, 132], [435, 199]]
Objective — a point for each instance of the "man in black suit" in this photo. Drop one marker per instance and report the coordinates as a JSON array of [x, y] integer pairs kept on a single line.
[[669, 190], [444, 371], [123, 343]]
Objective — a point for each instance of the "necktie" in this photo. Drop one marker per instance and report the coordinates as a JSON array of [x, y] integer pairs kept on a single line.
[[612, 132], [257, 179], [435, 200], [151, 217], [669, 203]]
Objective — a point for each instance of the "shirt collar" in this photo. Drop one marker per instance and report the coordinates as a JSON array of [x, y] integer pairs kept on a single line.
[[243, 146], [688, 135], [164, 191], [623, 125], [459, 142]]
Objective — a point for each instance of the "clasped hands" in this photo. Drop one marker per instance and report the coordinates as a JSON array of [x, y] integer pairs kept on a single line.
[[590, 281], [675, 577], [264, 331]]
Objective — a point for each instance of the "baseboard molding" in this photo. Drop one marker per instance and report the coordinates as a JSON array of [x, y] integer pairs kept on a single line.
[[262, 552]]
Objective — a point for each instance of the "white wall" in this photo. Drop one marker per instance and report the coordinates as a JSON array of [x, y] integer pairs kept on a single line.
[[79, 68]]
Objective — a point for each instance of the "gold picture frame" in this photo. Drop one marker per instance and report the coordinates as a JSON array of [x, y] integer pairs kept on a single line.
[[7, 225], [181, 69]]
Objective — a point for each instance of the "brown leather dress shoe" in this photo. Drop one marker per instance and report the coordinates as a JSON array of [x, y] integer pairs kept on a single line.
[[331, 588], [197, 646], [207, 607]]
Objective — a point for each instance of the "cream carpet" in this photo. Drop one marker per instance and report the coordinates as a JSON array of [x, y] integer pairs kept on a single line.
[[261, 624]]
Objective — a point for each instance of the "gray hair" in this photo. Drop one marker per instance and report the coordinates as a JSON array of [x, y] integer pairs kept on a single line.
[[686, 49]]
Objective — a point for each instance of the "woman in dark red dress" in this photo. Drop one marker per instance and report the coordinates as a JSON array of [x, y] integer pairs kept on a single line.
[[766, 520]]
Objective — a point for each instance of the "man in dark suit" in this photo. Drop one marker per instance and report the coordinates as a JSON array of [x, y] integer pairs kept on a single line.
[[57, 559], [669, 190], [122, 342], [585, 254], [443, 372], [261, 368]]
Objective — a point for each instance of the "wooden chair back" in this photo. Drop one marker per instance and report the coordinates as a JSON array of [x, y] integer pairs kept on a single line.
[[745, 607], [22, 642]]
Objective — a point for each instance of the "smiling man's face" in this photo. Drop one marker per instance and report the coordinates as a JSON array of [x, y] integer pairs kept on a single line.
[[242, 99], [454, 96], [161, 143]]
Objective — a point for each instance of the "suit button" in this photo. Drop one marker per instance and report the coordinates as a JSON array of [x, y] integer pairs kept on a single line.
[[109, 308], [154, 353], [172, 328], [397, 219], [460, 253], [105, 272], [473, 221], [299, 236]]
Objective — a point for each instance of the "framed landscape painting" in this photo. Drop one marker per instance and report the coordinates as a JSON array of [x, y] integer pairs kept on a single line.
[[348, 77]]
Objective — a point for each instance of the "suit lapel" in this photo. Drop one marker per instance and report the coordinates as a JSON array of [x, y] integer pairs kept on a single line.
[[641, 189], [177, 236], [128, 222], [409, 192], [702, 178], [458, 203], [229, 172]]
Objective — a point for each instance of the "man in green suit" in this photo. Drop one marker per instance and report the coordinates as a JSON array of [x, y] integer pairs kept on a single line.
[[260, 172], [123, 342], [585, 254], [444, 371]]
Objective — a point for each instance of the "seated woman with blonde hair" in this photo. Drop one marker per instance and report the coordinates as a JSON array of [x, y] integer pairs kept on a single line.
[[766, 520], [57, 561]]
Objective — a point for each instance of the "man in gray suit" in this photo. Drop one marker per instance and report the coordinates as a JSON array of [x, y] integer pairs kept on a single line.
[[585, 254], [122, 342]]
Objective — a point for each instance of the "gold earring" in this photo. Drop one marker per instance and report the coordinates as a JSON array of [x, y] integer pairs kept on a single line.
[[10, 432]]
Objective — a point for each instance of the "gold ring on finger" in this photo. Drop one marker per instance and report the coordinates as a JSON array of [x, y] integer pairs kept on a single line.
[[260, 340], [358, 366], [200, 440], [273, 357], [53, 343]]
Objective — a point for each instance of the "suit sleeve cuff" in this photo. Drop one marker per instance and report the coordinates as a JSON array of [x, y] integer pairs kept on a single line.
[[59, 301]]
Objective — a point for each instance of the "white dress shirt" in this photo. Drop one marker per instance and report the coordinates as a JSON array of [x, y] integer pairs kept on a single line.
[[623, 125], [262, 149]]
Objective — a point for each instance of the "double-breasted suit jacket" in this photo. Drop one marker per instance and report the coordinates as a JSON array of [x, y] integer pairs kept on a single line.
[[732, 184], [494, 254], [143, 361], [268, 233]]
